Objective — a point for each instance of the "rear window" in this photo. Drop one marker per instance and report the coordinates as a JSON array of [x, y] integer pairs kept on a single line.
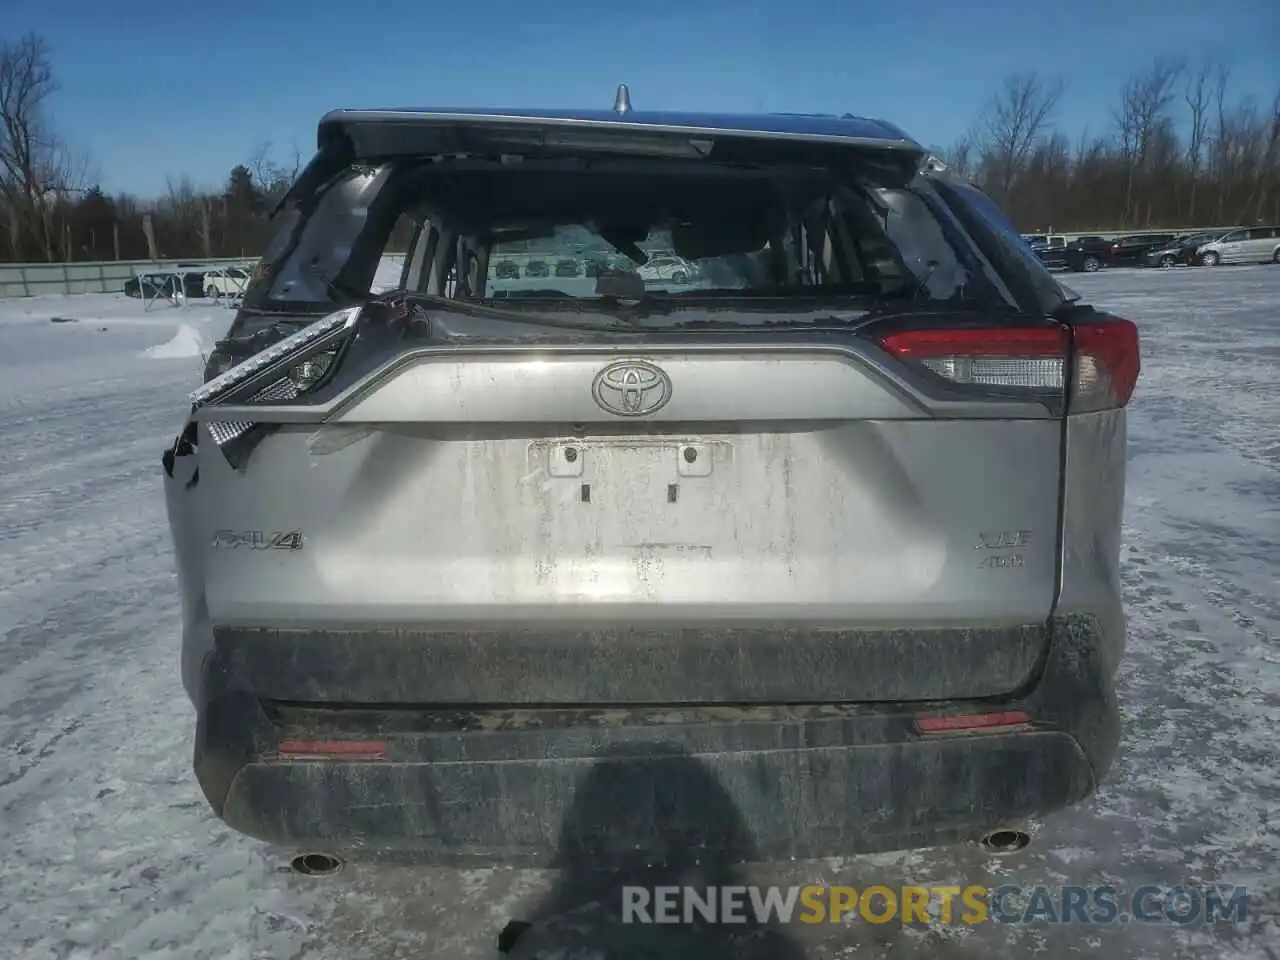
[[639, 228], [698, 233], [717, 256]]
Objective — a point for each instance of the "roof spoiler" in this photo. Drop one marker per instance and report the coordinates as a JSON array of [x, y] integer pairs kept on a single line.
[[350, 136]]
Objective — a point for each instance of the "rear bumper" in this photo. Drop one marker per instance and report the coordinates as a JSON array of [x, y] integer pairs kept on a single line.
[[608, 785]]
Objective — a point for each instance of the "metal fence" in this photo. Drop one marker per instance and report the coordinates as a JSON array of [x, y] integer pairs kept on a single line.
[[1072, 235], [109, 276], [36, 279]]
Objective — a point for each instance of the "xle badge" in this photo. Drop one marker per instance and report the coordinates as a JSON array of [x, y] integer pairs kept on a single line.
[[989, 540], [257, 540], [1002, 539]]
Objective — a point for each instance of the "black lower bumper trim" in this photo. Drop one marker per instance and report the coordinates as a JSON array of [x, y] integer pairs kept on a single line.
[[642, 664], [606, 785], [623, 805]]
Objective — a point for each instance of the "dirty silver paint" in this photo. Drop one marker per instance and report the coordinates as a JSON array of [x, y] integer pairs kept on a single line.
[[464, 515]]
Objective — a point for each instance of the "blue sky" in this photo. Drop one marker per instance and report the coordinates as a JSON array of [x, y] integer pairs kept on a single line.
[[153, 90]]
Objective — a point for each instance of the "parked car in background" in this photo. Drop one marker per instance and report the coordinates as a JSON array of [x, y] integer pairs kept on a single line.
[[667, 268], [537, 268], [1051, 240], [1182, 252], [231, 282], [507, 270], [165, 284], [600, 262], [1088, 254], [451, 562], [568, 268], [1250, 245], [192, 278], [1053, 257], [150, 285], [1132, 251]]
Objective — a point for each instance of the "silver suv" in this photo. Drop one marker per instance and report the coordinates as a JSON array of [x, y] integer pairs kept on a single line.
[[836, 520]]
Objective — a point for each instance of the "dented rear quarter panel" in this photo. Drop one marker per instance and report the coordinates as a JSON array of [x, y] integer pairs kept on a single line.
[[1094, 470]]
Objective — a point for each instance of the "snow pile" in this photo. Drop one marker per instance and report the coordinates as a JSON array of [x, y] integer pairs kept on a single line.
[[187, 343]]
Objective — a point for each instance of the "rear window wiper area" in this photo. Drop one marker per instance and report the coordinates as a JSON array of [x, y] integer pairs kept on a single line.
[[539, 313], [442, 314], [539, 293]]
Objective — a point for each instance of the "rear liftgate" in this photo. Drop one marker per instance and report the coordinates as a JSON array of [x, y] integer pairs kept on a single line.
[[775, 522]]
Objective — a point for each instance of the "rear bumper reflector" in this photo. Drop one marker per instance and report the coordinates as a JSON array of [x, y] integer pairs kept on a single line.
[[332, 750], [972, 721]]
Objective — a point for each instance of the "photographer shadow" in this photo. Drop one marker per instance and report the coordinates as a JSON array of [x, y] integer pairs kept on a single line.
[[647, 817]]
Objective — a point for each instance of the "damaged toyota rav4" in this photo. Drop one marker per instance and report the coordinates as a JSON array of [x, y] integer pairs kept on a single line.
[[830, 515]]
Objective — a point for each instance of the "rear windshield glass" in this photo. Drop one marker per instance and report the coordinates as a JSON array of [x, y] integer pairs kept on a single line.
[[626, 229]]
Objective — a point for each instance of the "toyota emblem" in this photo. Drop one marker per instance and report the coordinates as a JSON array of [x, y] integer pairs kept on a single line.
[[631, 388]]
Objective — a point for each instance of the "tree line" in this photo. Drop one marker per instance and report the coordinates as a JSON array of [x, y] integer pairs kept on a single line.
[[52, 211], [1179, 147]]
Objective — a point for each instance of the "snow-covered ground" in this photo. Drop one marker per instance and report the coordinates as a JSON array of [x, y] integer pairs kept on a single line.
[[110, 851]]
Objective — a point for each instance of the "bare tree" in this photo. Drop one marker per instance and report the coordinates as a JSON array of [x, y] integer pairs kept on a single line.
[[271, 177], [204, 226], [1142, 118], [960, 155], [1222, 168], [1268, 169], [1196, 94], [28, 151], [186, 218], [1221, 134], [1013, 121], [189, 212]]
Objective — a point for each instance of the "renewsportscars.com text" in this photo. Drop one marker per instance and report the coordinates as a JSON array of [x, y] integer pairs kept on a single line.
[[934, 904]]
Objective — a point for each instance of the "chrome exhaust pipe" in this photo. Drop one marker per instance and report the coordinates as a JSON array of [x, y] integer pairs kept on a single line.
[[316, 864], [1005, 840]]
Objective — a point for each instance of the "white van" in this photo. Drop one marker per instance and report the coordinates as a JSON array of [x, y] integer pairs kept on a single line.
[[1248, 245], [1054, 241]]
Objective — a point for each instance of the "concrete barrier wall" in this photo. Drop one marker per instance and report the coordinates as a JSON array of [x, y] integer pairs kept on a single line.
[[36, 279]]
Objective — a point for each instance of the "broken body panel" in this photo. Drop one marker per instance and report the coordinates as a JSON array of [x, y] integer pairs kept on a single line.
[[757, 530]]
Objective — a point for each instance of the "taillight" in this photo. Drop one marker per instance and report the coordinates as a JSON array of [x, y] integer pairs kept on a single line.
[[1029, 357], [1106, 360], [1107, 363]]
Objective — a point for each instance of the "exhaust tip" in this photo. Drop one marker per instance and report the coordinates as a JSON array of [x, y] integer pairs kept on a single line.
[[315, 864], [1005, 841]]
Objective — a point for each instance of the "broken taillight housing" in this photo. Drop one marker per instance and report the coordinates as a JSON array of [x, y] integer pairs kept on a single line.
[[1101, 358], [283, 371]]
